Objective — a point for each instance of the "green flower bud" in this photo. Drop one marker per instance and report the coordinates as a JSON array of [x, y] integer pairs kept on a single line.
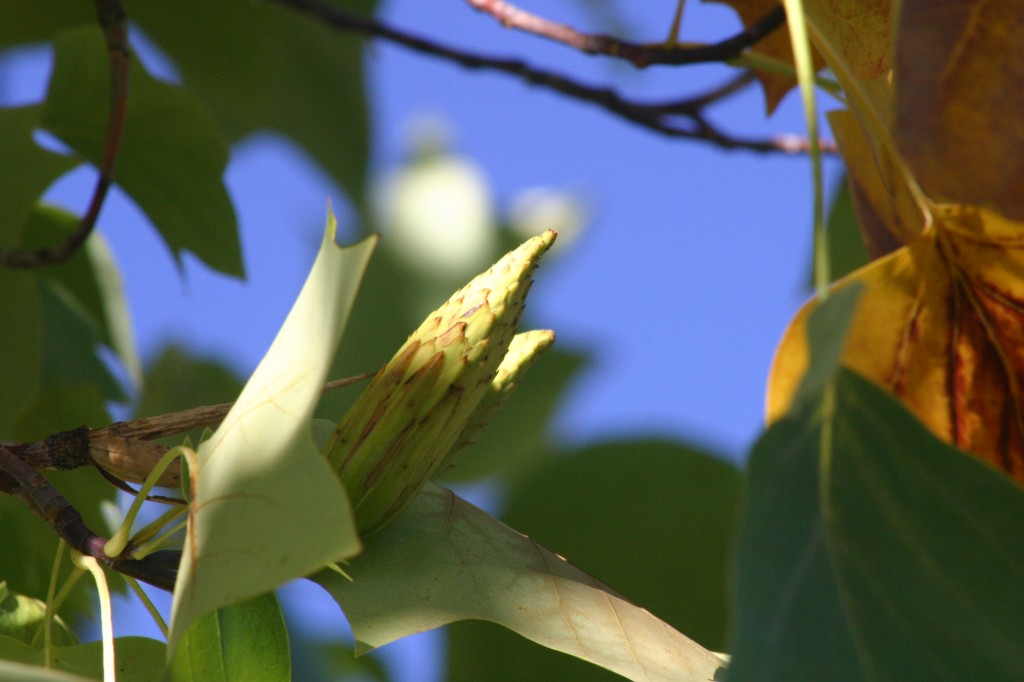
[[524, 349], [399, 431]]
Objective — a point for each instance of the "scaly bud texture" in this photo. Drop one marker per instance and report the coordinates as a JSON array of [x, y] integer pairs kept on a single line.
[[524, 349], [399, 431]]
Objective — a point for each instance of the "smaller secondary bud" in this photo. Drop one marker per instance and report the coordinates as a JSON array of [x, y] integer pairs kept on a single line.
[[400, 430], [524, 349]]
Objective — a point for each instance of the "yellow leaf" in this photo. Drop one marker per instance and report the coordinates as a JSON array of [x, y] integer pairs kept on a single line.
[[940, 325]]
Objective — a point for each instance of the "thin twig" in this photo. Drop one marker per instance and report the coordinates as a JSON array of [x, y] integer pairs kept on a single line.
[[114, 23], [640, 55], [118, 443], [126, 449], [642, 114], [19, 479]]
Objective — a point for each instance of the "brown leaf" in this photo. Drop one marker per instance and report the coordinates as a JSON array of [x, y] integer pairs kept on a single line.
[[858, 32], [940, 324], [960, 100], [776, 45]]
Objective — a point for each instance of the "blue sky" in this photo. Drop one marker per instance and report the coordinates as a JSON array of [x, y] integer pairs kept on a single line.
[[691, 266]]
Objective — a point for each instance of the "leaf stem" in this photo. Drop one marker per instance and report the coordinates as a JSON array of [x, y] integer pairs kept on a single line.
[[90, 564], [805, 77], [148, 603]]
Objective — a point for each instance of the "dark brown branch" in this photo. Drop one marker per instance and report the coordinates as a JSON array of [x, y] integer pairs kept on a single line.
[[640, 55], [646, 115], [18, 478], [114, 23]]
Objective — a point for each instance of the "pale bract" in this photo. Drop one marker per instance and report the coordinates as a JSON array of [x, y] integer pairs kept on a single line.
[[266, 508]]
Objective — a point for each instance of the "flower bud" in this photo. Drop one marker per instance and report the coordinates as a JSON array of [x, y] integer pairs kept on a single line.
[[524, 349], [400, 430]]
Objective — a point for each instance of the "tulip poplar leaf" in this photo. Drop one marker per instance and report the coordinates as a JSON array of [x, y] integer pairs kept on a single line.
[[776, 45], [926, 545], [37, 169], [959, 105], [137, 659], [789, 622], [266, 507], [172, 156], [247, 642], [939, 326], [444, 560], [604, 506]]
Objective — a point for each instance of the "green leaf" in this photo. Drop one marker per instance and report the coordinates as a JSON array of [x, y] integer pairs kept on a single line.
[[870, 549], [338, 660], [30, 171], [790, 619], [826, 331], [38, 21], [22, 618], [444, 560], [242, 642], [846, 248], [23, 672], [790, 622], [91, 278], [643, 515], [172, 157], [267, 507], [69, 346], [275, 69], [138, 659], [21, 310], [61, 407], [927, 544]]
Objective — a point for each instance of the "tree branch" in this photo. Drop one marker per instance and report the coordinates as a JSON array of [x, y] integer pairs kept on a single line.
[[114, 23], [640, 55], [658, 118], [126, 449], [18, 478], [118, 448]]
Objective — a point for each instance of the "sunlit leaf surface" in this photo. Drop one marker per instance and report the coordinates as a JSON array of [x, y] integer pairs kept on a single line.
[[603, 508], [444, 560], [266, 507]]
